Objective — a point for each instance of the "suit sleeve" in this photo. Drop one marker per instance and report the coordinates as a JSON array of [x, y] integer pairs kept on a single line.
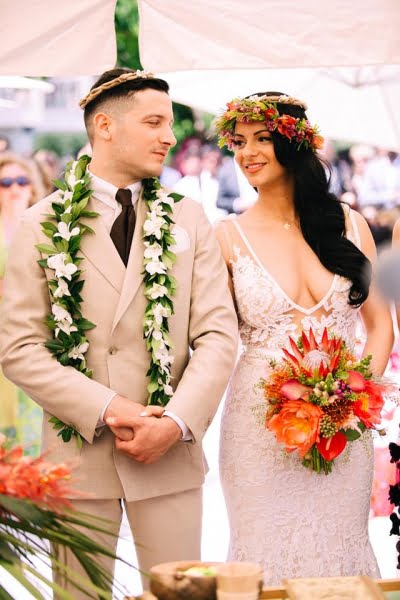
[[61, 391], [213, 336]]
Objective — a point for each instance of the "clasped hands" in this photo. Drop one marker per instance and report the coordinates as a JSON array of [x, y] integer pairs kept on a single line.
[[139, 431]]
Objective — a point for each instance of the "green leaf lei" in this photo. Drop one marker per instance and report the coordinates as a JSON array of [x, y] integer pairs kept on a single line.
[[68, 343]]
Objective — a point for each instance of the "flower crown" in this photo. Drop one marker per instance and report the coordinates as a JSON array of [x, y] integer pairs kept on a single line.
[[113, 83], [263, 108]]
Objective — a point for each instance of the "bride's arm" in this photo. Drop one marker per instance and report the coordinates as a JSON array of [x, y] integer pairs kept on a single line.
[[396, 246], [375, 311]]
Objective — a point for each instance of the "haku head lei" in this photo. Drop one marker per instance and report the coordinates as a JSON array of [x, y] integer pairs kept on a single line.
[[94, 92], [264, 108]]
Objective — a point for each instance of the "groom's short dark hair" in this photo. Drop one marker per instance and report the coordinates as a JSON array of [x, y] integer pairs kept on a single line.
[[123, 90]]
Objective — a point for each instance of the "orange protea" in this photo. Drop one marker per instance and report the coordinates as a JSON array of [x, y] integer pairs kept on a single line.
[[315, 358], [296, 425]]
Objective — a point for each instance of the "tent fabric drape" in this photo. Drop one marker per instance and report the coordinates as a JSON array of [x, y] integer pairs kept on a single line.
[[235, 34], [56, 38]]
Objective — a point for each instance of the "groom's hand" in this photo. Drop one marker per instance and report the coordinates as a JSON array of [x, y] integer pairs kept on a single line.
[[153, 436], [120, 406]]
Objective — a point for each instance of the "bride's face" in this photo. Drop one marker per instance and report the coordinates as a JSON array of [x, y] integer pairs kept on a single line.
[[255, 155]]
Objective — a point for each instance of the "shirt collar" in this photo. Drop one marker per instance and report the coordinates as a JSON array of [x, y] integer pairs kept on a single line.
[[105, 191]]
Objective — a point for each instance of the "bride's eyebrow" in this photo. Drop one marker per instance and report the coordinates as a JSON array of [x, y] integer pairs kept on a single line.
[[261, 131]]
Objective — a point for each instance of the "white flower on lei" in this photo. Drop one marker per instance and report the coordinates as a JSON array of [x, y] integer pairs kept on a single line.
[[159, 312], [70, 177], [62, 289], [168, 389], [157, 291], [162, 195], [77, 352], [64, 232], [153, 251], [156, 267], [158, 210], [152, 225], [63, 320], [67, 196], [62, 269], [164, 358], [63, 197]]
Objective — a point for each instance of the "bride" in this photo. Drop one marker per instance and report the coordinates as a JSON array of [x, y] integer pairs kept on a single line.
[[298, 259]]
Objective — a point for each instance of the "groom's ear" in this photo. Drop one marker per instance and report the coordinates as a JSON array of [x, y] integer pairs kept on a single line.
[[102, 125]]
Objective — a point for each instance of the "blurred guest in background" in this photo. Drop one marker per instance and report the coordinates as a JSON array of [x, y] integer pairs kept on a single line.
[[210, 163], [235, 195], [189, 184], [169, 176], [20, 187], [380, 185], [49, 165], [339, 172], [4, 143], [380, 224]]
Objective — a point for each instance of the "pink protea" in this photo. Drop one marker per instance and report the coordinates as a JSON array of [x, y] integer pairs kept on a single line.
[[322, 358]]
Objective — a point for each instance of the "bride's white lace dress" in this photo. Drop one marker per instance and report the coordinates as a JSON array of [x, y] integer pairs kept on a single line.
[[291, 520]]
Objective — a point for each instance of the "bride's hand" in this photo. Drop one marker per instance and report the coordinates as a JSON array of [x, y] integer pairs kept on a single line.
[[152, 411]]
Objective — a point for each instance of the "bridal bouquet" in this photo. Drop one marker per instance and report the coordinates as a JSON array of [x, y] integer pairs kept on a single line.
[[320, 397]]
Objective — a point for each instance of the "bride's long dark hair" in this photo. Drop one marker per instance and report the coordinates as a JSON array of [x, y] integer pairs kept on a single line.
[[321, 214]]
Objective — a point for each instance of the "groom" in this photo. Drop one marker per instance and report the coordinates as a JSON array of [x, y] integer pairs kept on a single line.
[[153, 466]]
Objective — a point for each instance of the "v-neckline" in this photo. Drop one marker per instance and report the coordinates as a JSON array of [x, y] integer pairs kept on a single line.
[[306, 311]]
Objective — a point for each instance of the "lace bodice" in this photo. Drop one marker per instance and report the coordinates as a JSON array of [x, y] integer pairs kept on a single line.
[[267, 316]]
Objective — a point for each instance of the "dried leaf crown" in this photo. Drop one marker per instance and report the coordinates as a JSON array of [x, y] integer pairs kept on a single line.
[[264, 108], [94, 92]]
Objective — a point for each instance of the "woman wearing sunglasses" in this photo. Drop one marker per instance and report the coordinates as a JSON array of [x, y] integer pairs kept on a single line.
[[20, 187]]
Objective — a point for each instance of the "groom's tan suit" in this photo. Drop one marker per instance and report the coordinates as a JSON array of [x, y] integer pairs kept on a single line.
[[113, 299]]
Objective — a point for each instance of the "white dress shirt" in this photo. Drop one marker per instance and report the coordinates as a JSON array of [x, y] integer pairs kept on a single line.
[[109, 209]]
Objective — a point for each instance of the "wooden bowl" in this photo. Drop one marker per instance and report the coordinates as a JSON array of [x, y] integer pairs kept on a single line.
[[168, 582]]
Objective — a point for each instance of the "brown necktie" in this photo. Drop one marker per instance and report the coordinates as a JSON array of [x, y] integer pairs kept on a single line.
[[122, 230]]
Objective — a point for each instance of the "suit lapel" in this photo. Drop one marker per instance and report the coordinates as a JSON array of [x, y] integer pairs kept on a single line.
[[99, 249], [134, 269]]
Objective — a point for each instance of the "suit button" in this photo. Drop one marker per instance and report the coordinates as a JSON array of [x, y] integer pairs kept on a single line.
[[112, 350]]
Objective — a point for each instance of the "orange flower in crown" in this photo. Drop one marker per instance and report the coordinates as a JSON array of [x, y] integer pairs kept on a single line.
[[264, 108]]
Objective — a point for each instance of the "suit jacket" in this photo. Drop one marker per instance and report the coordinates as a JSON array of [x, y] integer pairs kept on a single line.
[[113, 299]]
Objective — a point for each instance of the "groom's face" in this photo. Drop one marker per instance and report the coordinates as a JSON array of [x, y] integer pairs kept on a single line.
[[142, 134]]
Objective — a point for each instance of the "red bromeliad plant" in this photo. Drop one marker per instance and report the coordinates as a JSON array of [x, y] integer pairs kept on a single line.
[[35, 511], [320, 397]]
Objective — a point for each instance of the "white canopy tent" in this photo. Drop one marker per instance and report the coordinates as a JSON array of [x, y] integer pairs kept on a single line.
[[54, 37], [211, 51], [342, 58]]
